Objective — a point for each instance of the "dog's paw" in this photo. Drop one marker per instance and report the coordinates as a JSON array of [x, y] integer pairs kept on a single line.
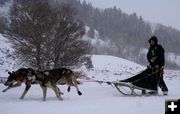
[[4, 90], [79, 93], [69, 88], [21, 98], [60, 98]]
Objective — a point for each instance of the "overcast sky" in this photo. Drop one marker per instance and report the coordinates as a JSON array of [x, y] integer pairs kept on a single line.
[[166, 12]]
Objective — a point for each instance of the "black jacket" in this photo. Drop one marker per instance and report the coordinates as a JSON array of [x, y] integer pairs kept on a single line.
[[156, 52]]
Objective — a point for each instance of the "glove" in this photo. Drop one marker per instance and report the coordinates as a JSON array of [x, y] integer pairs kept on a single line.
[[157, 67]]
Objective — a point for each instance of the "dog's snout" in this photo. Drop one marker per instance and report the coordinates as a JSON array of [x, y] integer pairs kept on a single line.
[[5, 84]]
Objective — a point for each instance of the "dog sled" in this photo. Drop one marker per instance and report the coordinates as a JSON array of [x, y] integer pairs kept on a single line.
[[146, 81]]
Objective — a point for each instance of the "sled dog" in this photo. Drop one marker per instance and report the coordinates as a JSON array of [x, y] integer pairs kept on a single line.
[[48, 78]]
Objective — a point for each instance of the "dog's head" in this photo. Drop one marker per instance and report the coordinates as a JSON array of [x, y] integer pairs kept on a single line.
[[19, 76], [11, 79]]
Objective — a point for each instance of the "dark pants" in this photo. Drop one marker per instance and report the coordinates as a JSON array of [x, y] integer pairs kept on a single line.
[[162, 84]]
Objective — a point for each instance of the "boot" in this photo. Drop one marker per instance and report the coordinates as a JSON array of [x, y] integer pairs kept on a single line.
[[165, 93], [143, 92]]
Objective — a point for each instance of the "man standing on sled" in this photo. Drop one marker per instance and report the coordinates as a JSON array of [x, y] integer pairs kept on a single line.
[[156, 60]]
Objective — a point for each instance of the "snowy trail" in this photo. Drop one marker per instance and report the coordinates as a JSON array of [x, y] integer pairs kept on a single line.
[[96, 99]]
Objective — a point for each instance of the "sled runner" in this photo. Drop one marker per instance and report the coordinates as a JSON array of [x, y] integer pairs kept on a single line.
[[129, 88]]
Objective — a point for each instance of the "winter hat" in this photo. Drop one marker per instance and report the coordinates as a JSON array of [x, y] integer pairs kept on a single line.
[[154, 38]]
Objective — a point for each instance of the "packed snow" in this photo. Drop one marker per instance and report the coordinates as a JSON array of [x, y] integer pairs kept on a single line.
[[96, 98]]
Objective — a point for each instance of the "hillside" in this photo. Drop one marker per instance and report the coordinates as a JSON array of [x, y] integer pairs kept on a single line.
[[109, 68]]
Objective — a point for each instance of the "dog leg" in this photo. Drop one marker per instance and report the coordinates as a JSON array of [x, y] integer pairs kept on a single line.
[[44, 92], [6, 89], [25, 91], [61, 93], [71, 81], [12, 86], [78, 91], [75, 84], [57, 92], [69, 88]]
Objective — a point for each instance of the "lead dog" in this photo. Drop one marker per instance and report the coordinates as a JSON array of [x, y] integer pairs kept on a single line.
[[48, 78]]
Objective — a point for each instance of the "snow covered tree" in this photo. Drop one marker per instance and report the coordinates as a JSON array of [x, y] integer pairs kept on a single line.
[[45, 37]]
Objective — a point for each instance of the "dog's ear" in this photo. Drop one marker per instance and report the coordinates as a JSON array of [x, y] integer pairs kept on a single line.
[[9, 73], [13, 72]]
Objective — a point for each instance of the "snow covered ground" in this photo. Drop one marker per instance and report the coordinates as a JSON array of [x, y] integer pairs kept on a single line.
[[97, 98]]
